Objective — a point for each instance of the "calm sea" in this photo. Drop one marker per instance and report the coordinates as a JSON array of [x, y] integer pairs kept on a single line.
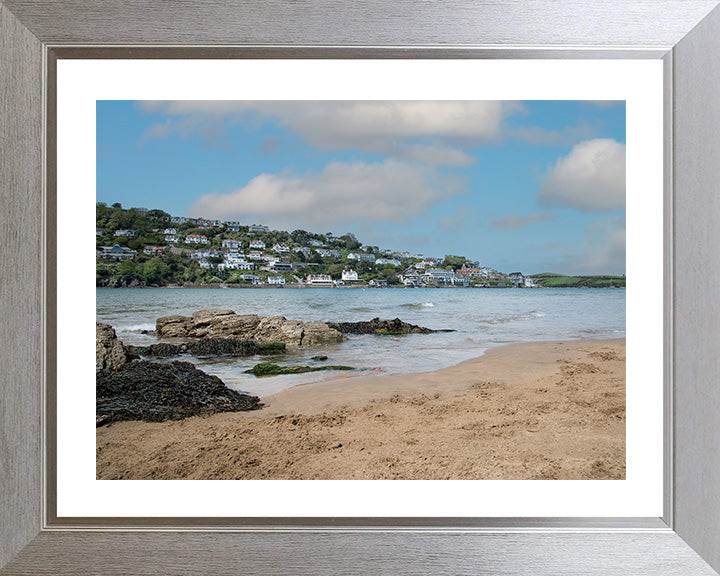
[[482, 318]]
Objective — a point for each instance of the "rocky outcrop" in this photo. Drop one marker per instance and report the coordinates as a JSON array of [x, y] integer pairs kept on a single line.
[[377, 326], [209, 347], [216, 323], [110, 353], [267, 369], [159, 391]]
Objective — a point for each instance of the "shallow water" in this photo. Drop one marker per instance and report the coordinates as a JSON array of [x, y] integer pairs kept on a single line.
[[481, 318]]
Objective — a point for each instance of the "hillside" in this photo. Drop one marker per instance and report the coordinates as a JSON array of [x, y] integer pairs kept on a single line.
[[139, 247], [157, 249]]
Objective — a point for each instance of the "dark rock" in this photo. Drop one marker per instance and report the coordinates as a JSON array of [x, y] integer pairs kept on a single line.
[[210, 347], [159, 391], [319, 358], [160, 350], [377, 326], [267, 369]]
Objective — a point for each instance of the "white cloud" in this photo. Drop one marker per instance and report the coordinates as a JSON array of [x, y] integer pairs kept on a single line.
[[342, 194], [590, 178], [424, 131]]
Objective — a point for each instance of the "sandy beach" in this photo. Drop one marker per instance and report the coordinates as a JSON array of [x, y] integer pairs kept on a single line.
[[547, 410]]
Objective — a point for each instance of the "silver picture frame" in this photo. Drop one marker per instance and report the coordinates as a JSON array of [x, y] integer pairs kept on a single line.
[[685, 34]]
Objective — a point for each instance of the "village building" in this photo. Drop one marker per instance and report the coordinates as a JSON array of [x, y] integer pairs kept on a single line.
[[412, 277], [258, 228], [281, 249], [361, 256], [439, 275], [116, 252], [278, 266], [257, 245], [153, 250], [196, 239], [319, 280], [277, 280], [172, 238], [232, 244], [125, 233], [391, 261], [349, 276], [328, 253]]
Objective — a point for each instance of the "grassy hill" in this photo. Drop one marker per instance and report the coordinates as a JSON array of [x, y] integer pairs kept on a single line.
[[553, 280]]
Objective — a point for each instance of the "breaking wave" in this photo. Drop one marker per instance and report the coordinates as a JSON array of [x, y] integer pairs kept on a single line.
[[135, 327], [517, 317]]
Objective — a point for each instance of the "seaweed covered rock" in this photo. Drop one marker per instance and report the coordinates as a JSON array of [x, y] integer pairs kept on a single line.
[[377, 326], [268, 369], [214, 323], [210, 347], [110, 353], [159, 391]]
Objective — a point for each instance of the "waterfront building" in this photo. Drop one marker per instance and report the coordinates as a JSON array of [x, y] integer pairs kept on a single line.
[[116, 252], [319, 280], [349, 276]]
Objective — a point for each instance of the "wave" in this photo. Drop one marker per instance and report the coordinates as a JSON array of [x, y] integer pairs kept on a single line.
[[135, 327], [418, 305], [517, 317], [360, 309], [596, 332]]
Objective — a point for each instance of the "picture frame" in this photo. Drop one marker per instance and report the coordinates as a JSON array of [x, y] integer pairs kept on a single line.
[[681, 33]]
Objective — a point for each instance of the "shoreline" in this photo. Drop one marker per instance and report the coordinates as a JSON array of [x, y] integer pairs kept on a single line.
[[520, 411], [354, 389], [363, 286]]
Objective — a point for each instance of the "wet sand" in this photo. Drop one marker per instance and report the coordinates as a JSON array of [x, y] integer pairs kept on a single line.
[[546, 410]]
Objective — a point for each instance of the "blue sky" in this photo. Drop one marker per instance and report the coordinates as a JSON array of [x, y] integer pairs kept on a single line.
[[518, 186]]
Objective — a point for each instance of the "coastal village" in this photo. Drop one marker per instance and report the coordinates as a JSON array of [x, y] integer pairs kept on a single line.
[[141, 247]]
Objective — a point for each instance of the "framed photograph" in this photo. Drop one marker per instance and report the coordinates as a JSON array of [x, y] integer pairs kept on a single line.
[[362, 303]]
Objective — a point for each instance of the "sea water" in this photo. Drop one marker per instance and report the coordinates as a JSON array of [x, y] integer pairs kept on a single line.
[[480, 318]]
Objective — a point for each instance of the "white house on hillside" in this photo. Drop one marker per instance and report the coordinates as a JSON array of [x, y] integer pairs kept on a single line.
[[196, 239], [381, 261], [257, 245], [361, 256], [349, 276], [233, 244]]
